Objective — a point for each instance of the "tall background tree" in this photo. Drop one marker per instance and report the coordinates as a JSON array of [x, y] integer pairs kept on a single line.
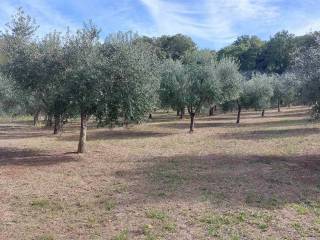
[[246, 50], [175, 46], [277, 55]]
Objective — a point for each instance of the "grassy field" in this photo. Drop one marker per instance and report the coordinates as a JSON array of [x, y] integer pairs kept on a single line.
[[258, 180]]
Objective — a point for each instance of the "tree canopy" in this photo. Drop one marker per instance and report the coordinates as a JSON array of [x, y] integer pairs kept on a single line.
[[122, 79]]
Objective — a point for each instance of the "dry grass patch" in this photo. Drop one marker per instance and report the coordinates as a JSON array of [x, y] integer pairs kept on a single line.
[[256, 180]]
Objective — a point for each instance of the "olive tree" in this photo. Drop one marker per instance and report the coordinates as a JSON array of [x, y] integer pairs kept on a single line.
[[307, 68], [172, 87], [12, 100], [286, 89], [202, 85], [256, 93], [19, 57], [198, 80], [130, 79], [83, 58], [227, 73], [51, 65]]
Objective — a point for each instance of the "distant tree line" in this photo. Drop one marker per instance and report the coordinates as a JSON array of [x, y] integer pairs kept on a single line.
[[122, 79]]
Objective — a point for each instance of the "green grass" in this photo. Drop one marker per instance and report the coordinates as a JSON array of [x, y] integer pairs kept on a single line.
[[156, 214], [40, 203], [148, 233], [109, 204], [213, 197], [46, 204], [216, 224], [263, 226], [262, 201], [169, 226], [300, 208], [123, 235], [297, 226], [45, 237]]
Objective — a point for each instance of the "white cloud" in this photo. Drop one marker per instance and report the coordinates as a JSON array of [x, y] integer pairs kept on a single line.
[[210, 20], [305, 26], [171, 18]]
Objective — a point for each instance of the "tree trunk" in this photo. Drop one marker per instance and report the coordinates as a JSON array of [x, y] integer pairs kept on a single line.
[[57, 124], [211, 111], [192, 114], [262, 114], [178, 113], [36, 117], [181, 113], [279, 105], [239, 112], [49, 120], [83, 133], [150, 116], [215, 108]]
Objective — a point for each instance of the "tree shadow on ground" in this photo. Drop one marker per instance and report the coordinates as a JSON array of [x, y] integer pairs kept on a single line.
[[29, 157], [163, 117], [20, 132], [109, 134], [274, 133], [199, 123], [288, 115], [229, 180]]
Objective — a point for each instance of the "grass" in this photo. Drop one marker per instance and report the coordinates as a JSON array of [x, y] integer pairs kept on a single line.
[[256, 180], [123, 235], [156, 214], [109, 204], [218, 224], [40, 203], [262, 201], [148, 232], [45, 237], [300, 208], [46, 204], [213, 197]]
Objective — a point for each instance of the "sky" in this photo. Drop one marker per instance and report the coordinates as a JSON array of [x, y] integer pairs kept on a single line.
[[212, 24]]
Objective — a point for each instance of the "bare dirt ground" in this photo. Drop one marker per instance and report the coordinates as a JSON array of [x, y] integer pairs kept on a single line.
[[259, 180]]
